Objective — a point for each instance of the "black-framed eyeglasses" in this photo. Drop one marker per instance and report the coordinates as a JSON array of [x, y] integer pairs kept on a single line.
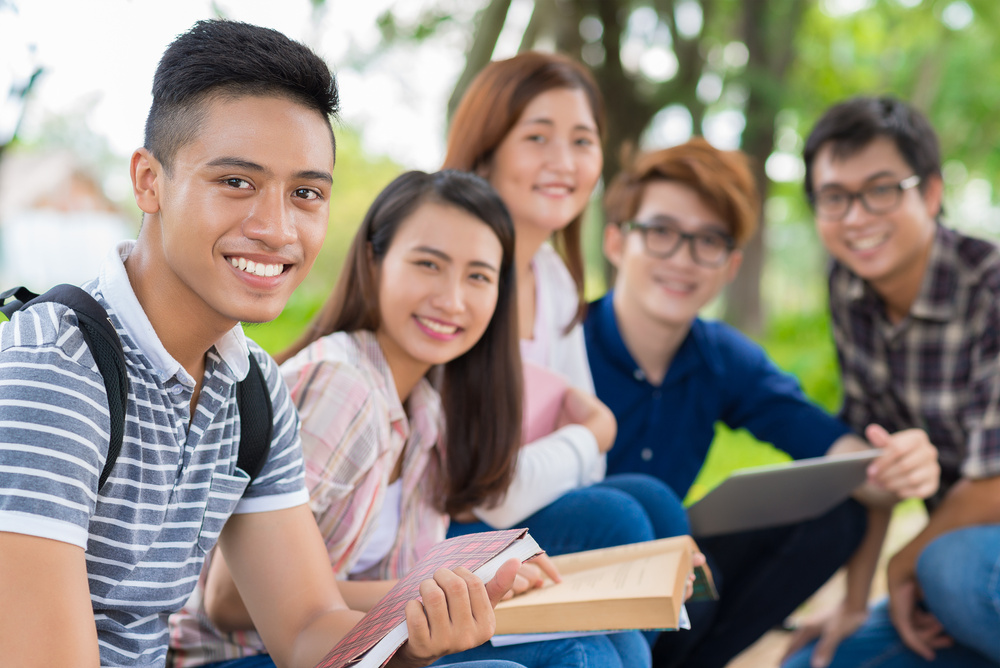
[[662, 237], [833, 203]]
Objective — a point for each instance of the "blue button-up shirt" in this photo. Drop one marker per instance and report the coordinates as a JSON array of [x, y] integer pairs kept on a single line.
[[717, 374]]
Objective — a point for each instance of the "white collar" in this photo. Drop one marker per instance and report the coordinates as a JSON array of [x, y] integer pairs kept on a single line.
[[117, 290]]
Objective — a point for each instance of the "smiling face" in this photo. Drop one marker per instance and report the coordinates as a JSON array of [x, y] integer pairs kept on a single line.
[[237, 222], [438, 286], [547, 165], [886, 248], [667, 292]]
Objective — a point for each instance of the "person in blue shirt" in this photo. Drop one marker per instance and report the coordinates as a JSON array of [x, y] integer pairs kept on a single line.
[[676, 220]]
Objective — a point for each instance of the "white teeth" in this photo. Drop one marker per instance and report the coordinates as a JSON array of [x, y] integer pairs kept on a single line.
[[256, 268], [677, 286], [867, 243], [437, 327]]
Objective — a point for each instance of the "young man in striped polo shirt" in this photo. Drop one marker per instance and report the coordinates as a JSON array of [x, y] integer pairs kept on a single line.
[[234, 182]]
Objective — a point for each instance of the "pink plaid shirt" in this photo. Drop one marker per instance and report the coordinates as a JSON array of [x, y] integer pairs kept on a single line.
[[354, 429]]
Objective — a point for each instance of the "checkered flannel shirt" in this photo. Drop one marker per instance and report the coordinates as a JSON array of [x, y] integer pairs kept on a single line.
[[939, 368]]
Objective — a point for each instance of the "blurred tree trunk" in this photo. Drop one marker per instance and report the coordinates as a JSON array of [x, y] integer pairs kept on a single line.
[[768, 29], [484, 41]]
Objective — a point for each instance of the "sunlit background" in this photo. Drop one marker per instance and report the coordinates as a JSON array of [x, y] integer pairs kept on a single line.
[[754, 74]]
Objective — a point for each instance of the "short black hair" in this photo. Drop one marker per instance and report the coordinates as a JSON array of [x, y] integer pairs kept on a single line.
[[230, 59], [853, 124]]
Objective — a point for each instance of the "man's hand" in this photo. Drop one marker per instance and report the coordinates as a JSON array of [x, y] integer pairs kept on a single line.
[[919, 629], [697, 559], [585, 409], [456, 615], [831, 628], [908, 466]]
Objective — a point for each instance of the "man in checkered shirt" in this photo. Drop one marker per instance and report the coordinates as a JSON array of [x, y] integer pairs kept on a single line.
[[916, 319]]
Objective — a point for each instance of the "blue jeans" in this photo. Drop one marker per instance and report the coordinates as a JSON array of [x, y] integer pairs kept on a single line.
[[959, 574], [623, 509], [264, 661], [583, 652]]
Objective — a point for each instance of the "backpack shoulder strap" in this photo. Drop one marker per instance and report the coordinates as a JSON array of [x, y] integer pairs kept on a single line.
[[253, 399], [104, 344], [256, 420]]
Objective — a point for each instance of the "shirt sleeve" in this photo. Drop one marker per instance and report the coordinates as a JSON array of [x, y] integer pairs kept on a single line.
[[54, 426], [565, 460], [981, 416], [344, 431], [281, 482], [771, 405]]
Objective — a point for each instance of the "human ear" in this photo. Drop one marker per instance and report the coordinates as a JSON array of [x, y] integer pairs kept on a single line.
[[147, 177], [614, 244], [932, 194], [733, 265]]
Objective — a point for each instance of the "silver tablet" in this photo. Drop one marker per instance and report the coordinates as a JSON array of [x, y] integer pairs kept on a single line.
[[768, 496]]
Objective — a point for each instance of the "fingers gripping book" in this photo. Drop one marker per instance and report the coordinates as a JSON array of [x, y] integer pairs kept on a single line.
[[374, 640]]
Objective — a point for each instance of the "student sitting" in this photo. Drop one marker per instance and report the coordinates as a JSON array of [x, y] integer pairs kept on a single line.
[[234, 182], [676, 220], [532, 125], [428, 287], [915, 308]]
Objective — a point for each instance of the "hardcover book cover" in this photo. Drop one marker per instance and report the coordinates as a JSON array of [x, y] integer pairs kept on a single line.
[[385, 624]]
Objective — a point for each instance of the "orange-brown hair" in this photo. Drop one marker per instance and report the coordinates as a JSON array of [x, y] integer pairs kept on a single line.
[[723, 179], [492, 105]]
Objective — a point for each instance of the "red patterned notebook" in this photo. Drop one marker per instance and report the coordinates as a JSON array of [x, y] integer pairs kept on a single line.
[[380, 633]]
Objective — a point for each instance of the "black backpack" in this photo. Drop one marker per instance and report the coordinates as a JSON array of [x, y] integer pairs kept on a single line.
[[253, 400]]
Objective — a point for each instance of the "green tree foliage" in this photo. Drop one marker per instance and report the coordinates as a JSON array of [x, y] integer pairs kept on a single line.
[[775, 64]]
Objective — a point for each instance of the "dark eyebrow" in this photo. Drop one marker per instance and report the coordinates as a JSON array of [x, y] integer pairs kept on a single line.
[[240, 163], [485, 265], [447, 258], [433, 251], [868, 179], [547, 121]]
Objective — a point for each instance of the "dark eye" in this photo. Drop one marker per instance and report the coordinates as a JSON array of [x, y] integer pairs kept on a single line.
[[238, 183], [306, 193], [882, 190], [429, 264], [480, 278], [661, 232], [713, 241], [832, 198]]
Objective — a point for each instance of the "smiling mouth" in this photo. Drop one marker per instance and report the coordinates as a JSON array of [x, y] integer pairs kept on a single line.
[[868, 242], [256, 268], [555, 190], [437, 327], [675, 285]]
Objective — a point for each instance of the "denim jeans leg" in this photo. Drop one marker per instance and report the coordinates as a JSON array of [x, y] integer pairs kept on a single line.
[[583, 519], [958, 574], [587, 652], [877, 645], [665, 510]]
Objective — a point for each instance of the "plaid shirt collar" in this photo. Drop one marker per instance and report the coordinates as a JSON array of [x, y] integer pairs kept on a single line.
[[935, 301]]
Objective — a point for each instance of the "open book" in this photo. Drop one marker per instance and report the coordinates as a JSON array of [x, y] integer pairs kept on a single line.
[[638, 586], [380, 633]]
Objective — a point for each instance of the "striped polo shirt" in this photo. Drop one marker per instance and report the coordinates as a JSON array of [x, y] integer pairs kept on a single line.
[[174, 484]]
